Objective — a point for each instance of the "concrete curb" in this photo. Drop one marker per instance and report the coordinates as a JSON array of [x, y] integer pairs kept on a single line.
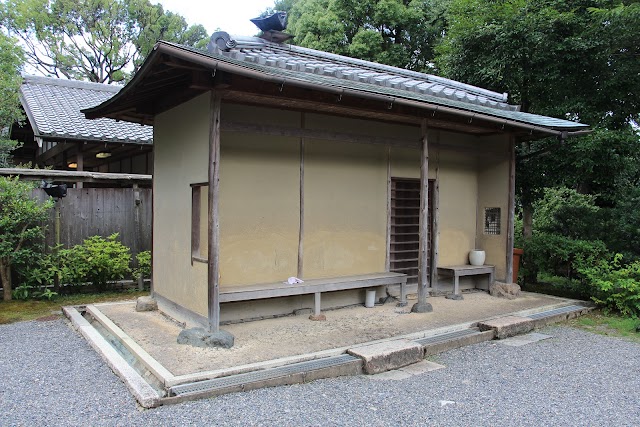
[[146, 396], [431, 349]]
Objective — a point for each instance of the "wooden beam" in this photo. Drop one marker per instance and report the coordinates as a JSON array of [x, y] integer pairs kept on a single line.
[[511, 209], [422, 306], [59, 148], [301, 223], [213, 273], [69, 176]]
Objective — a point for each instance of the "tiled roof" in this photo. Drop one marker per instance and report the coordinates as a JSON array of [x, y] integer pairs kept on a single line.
[[256, 54], [295, 58], [53, 107]]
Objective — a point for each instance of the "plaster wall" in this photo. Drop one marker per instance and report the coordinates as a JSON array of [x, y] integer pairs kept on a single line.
[[493, 192], [181, 155]]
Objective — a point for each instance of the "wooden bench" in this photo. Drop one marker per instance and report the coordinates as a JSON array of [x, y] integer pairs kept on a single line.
[[313, 286], [456, 271]]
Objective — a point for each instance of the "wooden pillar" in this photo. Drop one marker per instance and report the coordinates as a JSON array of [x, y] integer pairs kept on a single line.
[[79, 162], [213, 222], [511, 209], [422, 306], [435, 240], [387, 259], [301, 223]]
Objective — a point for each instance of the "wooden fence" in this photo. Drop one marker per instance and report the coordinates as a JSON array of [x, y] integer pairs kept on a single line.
[[87, 212]]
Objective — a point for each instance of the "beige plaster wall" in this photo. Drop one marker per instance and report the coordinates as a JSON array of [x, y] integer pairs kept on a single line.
[[493, 192], [259, 208], [345, 209], [181, 138]]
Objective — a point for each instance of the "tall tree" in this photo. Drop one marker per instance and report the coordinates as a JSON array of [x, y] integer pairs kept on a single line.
[[401, 33], [97, 40], [575, 59], [11, 60]]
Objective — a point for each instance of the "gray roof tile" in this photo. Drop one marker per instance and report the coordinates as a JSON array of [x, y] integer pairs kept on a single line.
[[53, 107], [295, 58]]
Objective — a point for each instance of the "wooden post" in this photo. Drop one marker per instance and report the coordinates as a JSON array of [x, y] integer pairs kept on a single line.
[[435, 220], [213, 222], [511, 209], [79, 162], [301, 224], [387, 262], [422, 306], [136, 231]]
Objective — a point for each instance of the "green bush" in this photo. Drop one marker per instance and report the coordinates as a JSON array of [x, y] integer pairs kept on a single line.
[[613, 285], [97, 260], [560, 255], [144, 264]]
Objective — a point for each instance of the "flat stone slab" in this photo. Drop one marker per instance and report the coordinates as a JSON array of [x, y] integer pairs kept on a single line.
[[521, 340], [508, 326], [388, 355], [199, 337]]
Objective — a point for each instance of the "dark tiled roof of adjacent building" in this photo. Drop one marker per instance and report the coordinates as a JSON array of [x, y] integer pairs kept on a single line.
[[53, 108]]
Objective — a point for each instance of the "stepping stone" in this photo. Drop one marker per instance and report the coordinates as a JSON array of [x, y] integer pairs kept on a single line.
[[508, 326], [388, 355]]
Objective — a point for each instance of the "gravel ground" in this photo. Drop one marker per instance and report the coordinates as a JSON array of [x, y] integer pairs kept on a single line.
[[50, 376]]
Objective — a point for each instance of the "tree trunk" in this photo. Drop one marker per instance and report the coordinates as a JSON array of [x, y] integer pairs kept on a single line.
[[527, 222], [5, 278]]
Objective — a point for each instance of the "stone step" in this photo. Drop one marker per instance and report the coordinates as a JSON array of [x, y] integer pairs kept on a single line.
[[388, 355]]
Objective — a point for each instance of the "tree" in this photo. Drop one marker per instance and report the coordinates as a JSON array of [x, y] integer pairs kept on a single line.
[[102, 41], [11, 60], [401, 33], [21, 217], [575, 59]]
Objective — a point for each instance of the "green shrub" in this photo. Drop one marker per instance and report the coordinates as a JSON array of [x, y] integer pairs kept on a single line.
[[99, 260], [144, 264], [560, 255], [613, 285]]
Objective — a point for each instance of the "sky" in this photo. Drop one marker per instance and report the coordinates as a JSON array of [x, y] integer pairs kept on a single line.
[[231, 16]]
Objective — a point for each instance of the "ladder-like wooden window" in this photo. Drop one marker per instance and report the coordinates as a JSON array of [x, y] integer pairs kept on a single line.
[[405, 227]]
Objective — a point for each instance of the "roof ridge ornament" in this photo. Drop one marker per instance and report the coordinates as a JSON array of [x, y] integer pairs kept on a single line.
[[221, 40]]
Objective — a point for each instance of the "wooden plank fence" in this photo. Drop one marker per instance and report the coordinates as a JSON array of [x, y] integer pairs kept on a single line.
[[87, 212]]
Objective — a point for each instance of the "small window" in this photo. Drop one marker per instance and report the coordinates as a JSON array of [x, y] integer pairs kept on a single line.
[[492, 221], [199, 222]]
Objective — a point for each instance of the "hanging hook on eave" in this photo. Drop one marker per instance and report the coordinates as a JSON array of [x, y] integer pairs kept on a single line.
[[433, 114], [471, 118], [503, 125], [391, 104], [282, 85], [340, 96], [215, 70]]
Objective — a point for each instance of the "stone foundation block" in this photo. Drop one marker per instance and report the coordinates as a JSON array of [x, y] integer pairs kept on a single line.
[[505, 290], [388, 355], [508, 326], [146, 304]]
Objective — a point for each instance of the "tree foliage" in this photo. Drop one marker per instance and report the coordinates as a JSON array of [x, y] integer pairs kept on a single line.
[[97, 40], [401, 33], [21, 219], [11, 60]]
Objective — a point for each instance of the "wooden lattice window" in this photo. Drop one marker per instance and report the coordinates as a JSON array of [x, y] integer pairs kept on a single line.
[[404, 236], [199, 222], [492, 221]]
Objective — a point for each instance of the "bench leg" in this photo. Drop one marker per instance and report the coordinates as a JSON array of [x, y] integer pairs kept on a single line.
[[317, 314], [456, 289], [403, 295]]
